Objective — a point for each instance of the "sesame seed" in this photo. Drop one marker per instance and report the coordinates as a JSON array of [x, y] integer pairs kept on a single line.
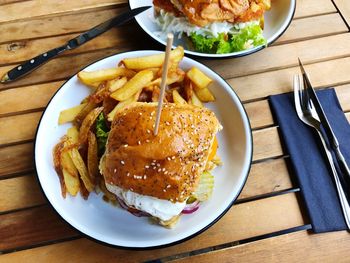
[[166, 172], [126, 145], [138, 142], [148, 131], [140, 113], [158, 164], [167, 123], [128, 174], [163, 169], [168, 158], [152, 113], [146, 166], [168, 186], [122, 162], [155, 167], [153, 164], [144, 177], [115, 170], [147, 140], [159, 169], [131, 189], [173, 157], [164, 190]]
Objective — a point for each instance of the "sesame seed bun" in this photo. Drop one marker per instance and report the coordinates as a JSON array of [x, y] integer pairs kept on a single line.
[[167, 166]]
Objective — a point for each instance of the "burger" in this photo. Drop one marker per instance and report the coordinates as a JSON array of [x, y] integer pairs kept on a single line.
[[214, 26], [158, 175]]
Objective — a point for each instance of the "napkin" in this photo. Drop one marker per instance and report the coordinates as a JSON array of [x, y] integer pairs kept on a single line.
[[308, 160]]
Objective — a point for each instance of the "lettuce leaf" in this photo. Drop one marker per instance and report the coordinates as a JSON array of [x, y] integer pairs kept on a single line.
[[247, 37], [101, 133]]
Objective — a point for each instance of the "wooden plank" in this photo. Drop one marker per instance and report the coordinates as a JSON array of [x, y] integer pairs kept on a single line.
[[18, 51], [283, 56], [294, 247], [266, 144], [33, 226], [267, 177], [343, 94], [264, 178], [272, 58], [318, 7], [22, 99], [344, 9], [309, 27], [16, 159], [241, 221], [323, 74], [5, 2], [53, 26], [259, 112], [20, 192], [18, 128], [18, 11]]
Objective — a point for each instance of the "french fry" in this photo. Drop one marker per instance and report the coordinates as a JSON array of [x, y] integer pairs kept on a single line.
[[135, 84], [69, 171], [70, 174], [153, 61], [104, 74], [195, 100], [85, 111], [57, 153], [122, 104], [199, 78], [81, 167], [94, 85], [92, 157], [177, 98], [69, 115], [155, 94], [171, 79], [87, 123], [115, 84], [73, 135], [188, 89], [204, 94]]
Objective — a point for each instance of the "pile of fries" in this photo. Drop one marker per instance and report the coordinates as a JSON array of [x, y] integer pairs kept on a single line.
[[76, 156]]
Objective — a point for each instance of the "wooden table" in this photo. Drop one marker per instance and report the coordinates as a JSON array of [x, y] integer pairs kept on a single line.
[[267, 223]]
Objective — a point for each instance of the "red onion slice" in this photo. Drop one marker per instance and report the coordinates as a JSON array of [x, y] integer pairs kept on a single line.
[[190, 208], [137, 213]]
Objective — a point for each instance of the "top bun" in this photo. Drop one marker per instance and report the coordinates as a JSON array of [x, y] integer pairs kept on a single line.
[[167, 166]]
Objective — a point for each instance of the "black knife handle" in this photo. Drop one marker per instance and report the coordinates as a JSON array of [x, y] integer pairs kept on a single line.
[[34, 63], [344, 169]]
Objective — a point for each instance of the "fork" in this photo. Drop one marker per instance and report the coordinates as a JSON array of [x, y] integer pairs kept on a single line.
[[307, 114]]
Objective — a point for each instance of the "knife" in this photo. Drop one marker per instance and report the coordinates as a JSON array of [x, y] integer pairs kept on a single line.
[[39, 60], [332, 139]]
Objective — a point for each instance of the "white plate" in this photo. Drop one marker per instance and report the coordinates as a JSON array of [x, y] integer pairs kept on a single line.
[[116, 226], [277, 21]]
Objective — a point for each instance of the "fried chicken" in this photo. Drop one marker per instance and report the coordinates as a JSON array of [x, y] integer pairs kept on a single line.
[[202, 12]]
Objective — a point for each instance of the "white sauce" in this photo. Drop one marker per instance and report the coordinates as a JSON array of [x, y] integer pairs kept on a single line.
[[156, 207]]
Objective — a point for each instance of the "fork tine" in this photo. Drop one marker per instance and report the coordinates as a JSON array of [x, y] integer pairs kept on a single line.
[[297, 97]]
